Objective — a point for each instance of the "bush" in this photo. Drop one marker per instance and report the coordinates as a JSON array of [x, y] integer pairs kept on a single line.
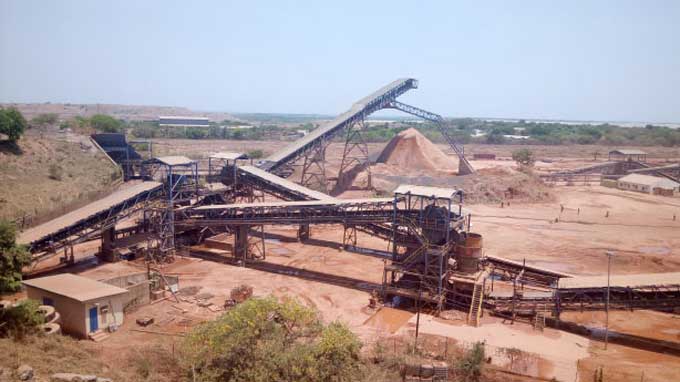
[[267, 340], [470, 365], [55, 172], [20, 320], [12, 123], [105, 123], [13, 258], [523, 157], [46, 119], [255, 154]]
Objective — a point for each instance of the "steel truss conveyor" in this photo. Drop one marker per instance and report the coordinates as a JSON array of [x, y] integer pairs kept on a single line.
[[341, 211], [85, 223], [361, 109]]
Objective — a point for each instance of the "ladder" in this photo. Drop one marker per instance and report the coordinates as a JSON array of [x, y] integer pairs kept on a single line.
[[539, 320]]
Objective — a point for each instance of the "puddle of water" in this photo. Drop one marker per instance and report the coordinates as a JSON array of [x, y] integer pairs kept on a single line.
[[280, 251], [555, 266], [389, 319], [272, 241], [655, 250]]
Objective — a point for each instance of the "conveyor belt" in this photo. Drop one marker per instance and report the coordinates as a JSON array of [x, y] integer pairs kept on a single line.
[[636, 281], [273, 184], [367, 105], [345, 211], [49, 234]]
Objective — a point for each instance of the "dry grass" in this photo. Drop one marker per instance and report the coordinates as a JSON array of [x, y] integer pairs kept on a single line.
[[63, 354], [43, 175], [56, 354]]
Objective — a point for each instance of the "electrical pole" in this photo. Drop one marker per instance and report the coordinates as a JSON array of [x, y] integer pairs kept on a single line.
[[606, 330]]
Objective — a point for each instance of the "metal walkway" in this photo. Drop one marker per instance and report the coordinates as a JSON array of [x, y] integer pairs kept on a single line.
[[83, 223]]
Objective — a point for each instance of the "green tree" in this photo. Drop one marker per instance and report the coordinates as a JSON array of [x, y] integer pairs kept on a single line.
[[263, 339], [105, 123], [523, 157], [13, 258], [12, 123]]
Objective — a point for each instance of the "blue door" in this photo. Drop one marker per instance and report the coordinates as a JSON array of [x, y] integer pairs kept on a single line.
[[94, 323]]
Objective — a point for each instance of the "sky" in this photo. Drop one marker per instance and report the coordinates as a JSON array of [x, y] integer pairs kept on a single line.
[[575, 60]]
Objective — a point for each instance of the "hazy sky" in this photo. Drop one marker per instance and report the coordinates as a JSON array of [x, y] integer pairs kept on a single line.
[[587, 60]]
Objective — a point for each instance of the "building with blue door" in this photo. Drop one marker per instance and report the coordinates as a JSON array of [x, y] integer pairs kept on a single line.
[[86, 306]]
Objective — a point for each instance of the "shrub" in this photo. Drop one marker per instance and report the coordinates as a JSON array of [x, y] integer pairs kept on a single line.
[[20, 320], [13, 258], [523, 157], [267, 340], [105, 123], [12, 123], [55, 172], [255, 154], [470, 365], [46, 119]]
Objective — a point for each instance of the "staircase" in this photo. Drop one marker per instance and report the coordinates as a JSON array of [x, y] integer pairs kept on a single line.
[[475, 312], [99, 336]]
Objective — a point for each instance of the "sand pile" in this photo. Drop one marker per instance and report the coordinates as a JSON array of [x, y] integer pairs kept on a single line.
[[411, 151]]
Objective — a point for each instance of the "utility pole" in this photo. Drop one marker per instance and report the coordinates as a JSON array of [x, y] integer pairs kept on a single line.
[[606, 330], [420, 291]]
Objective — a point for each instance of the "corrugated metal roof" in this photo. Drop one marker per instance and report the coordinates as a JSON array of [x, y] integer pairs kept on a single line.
[[437, 192], [175, 160], [648, 180], [75, 287], [228, 155], [628, 152]]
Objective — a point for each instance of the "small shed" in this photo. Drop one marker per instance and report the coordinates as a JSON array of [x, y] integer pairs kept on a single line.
[[620, 155], [648, 184], [86, 306]]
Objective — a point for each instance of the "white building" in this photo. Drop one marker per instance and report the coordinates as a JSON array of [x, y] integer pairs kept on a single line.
[[181, 121], [86, 306], [648, 184]]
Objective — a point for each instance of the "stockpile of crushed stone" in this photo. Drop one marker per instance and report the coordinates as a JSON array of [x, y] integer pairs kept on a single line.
[[411, 151]]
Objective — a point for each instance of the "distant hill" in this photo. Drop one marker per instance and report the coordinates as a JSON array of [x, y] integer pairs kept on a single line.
[[125, 112]]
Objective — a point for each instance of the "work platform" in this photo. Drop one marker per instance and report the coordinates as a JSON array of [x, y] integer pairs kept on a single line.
[[96, 215]]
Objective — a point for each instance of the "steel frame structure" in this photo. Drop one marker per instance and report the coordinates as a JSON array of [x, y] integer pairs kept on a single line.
[[426, 268], [180, 187], [464, 167]]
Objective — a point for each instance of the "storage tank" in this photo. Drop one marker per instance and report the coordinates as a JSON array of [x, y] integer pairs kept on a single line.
[[469, 252]]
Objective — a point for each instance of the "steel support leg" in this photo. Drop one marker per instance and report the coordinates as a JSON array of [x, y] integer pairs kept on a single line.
[[349, 236], [314, 168], [303, 232], [355, 157]]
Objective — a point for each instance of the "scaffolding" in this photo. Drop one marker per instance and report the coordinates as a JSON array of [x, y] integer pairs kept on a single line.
[[180, 186]]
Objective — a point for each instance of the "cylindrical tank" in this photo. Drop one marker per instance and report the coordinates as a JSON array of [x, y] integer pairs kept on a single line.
[[469, 252]]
